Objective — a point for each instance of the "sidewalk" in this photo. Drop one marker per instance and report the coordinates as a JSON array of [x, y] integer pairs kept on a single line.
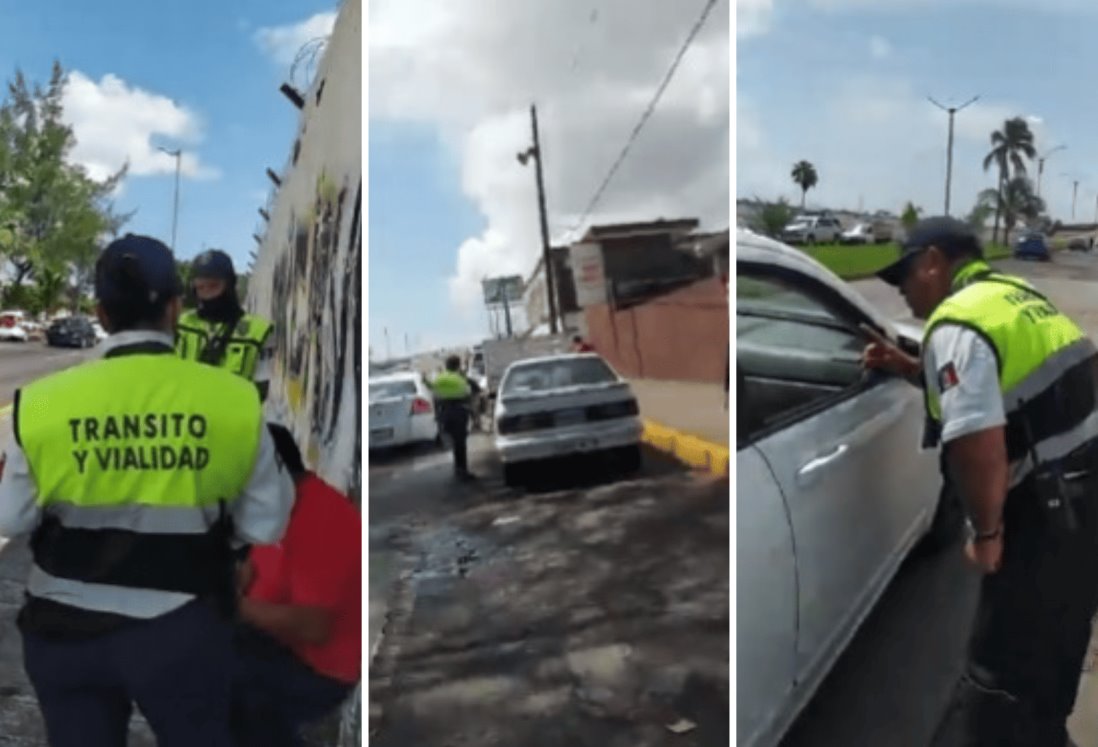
[[686, 419], [591, 617]]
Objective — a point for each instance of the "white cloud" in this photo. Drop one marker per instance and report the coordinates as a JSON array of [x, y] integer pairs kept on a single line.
[[282, 43], [753, 17], [472, 73], [114, 122], [879, 47]]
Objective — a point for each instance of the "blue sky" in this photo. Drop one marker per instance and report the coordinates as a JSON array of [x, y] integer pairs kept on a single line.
[[843, 84], [201, 75], [450, 86]]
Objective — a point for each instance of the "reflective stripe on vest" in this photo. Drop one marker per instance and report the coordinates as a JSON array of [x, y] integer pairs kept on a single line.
[[242, 351], [1047, 365], [450, 385], [131, 457]]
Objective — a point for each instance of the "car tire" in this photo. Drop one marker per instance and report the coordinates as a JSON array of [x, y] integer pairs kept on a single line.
[[810, 239], [512, 475], [948, 521], [632, 459]]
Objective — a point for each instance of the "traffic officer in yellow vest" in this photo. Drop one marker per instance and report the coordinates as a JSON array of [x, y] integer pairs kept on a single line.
[[140, 477], [219, 332], [453, 392], [1010, 387]]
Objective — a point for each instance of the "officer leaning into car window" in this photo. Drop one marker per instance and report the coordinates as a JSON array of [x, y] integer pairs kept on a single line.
[[219, 332], [139, 477], [1010, 387], [453, 392]]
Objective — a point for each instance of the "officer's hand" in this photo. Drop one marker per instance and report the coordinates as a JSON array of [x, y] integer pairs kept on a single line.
[[888, 357], [986, 555]]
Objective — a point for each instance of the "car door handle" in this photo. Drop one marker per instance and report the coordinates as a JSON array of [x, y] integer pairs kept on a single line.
[[808, 470]]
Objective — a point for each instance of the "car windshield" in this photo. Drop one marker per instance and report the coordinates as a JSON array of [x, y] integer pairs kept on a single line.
[[391, 389], [557, 374]]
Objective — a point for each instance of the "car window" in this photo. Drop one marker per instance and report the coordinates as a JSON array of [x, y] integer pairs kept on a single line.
[[796, 352], [557, 374], [391, 389]]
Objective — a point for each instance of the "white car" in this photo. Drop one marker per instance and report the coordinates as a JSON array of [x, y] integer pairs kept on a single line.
[[833, 485], [867, 233], [100, 333], [563, 405], [402, 411], [12, 327], [813, 229]]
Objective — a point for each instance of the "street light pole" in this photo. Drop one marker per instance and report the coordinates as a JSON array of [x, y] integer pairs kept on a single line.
[[534, 151], [952, 111], [1041, 165], [178, 155]]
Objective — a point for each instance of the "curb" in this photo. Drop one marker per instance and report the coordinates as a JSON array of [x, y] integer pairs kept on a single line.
[[691, 450]]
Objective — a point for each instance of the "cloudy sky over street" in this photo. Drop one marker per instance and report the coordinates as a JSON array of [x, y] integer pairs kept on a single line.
[[200, 76], [450, 84], [844, 84]]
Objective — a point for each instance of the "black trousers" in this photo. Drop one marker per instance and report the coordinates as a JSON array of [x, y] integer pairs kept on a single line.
[[454, 419], [1030, 634]]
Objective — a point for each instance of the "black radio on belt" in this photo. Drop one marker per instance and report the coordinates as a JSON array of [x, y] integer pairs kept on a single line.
[[1055, 489]]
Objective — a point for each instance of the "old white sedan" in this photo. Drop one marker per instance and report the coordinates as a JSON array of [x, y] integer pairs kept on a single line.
[[833, 487], [563, 405]]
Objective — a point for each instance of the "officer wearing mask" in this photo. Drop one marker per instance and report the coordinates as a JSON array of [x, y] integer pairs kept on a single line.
[[140, 478], [218, 331], [453, 392], [1010, 388]]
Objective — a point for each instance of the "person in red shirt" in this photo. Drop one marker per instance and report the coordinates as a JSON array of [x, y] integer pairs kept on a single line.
[[299, 648], [579, 345]]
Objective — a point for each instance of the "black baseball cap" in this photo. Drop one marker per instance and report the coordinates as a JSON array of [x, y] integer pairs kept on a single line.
[[136, 265], [951, 236]]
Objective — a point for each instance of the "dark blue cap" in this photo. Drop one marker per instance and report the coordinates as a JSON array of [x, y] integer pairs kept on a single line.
[[213, 263], [951, 236], [138, 270]]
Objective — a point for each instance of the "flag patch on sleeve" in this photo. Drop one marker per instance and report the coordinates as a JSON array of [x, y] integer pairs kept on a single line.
[[947, 377]]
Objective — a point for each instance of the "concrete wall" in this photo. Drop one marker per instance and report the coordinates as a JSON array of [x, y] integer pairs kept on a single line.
[[308, 281], [680, 336], [307, 278]]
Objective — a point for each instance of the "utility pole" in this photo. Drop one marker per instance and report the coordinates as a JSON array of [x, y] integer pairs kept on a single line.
[[177, 154], [388, 349], [952, 111], [1074, 194], [507, 313], [534, 151], [1041, 165]]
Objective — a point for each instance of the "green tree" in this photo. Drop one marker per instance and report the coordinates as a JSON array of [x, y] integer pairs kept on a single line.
[[981, 211], [1017, 201], [773, 217], [1010, 147], [805, 176], [910, 216]]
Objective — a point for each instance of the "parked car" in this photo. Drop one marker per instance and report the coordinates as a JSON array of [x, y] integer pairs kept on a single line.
[[867, 233], [833, 489], [1079, 244], [1032, 246], [100, 333], [13, 326], [562, 405], [71, 332], [402, 411], [813, 229]]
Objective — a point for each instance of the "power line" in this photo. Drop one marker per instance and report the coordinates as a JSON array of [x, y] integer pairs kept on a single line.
[[709, 5]]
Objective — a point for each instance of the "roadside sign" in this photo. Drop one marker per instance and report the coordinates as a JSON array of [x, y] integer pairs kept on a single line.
[[497, 290], [589, 273]]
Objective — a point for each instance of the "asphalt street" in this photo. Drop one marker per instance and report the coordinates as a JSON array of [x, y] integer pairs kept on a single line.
[[891, 684], [23, 362]]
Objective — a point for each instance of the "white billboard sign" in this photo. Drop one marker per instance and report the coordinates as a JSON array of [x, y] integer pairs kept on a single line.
[[589, 273]]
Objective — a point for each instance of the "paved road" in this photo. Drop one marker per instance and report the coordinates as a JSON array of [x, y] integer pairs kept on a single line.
[[21, 363], [891, 684]]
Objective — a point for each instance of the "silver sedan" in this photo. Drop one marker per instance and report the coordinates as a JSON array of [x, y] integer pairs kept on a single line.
[[833, 485]]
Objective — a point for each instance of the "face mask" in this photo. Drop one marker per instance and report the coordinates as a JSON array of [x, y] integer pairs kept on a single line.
[[220, 309]]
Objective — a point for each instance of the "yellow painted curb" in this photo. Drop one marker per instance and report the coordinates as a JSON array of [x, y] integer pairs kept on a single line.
[[691, 450]]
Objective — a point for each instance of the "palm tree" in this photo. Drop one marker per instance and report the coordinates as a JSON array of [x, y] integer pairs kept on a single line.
[[805, 176], [1017, 200], [1010, 146]]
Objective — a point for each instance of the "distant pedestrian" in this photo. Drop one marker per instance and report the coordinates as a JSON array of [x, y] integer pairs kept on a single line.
[[299, 648], [139, 477], [1011, 389], [579, 345], [453, 394]]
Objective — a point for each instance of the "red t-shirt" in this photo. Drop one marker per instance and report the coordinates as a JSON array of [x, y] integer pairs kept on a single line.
[[319, 564]]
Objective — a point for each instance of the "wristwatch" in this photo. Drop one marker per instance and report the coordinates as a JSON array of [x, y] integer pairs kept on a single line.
[[976, 536]]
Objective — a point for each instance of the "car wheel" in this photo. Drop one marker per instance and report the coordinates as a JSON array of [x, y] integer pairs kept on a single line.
[[949, 520], [512, 475], [631, 459], [810, 240]]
